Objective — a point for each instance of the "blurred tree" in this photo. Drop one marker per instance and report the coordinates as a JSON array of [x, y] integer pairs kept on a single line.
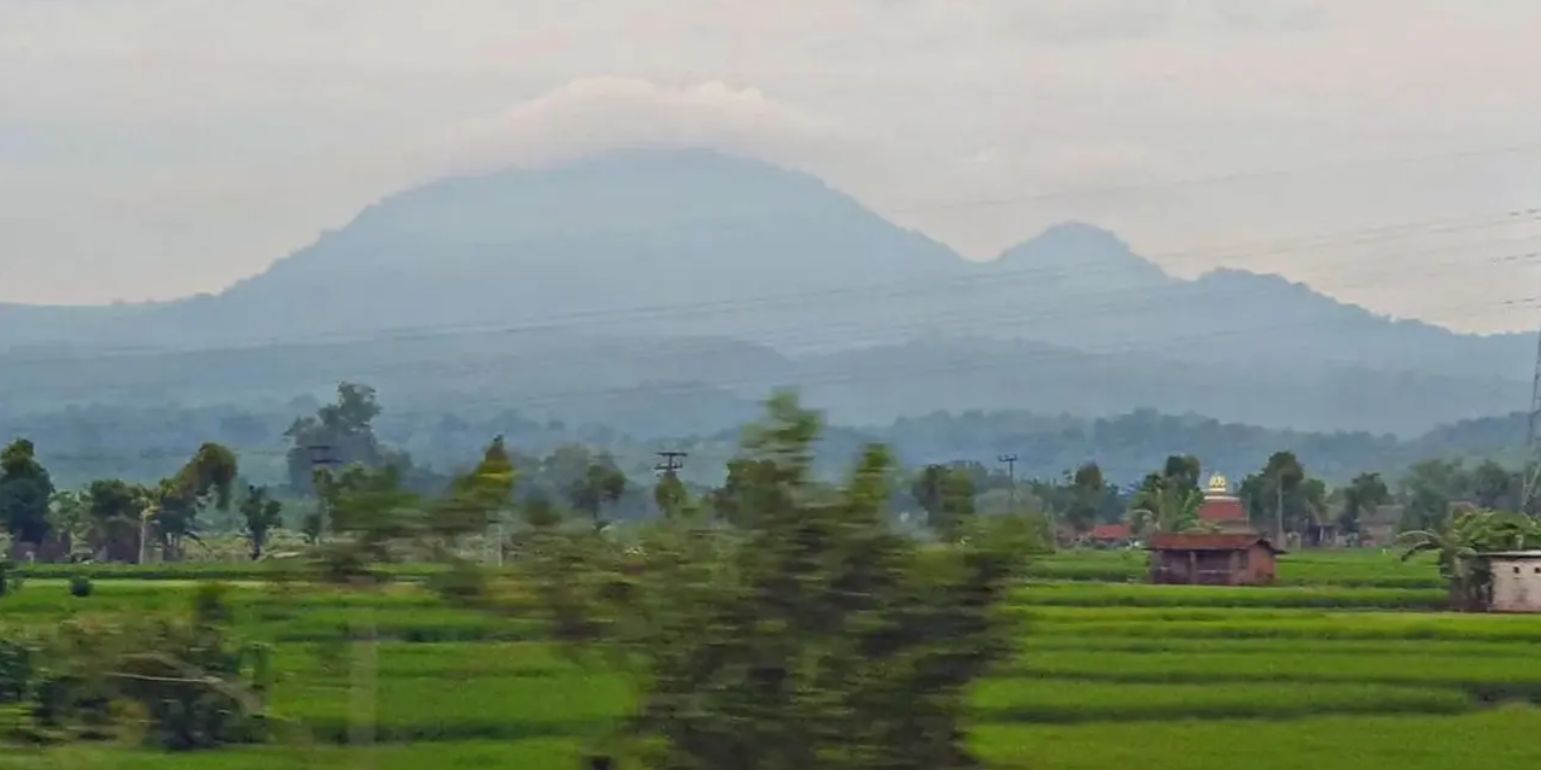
[[946, 494], [206, 481], [116, 510], [25, 489], [340, 433], [805, 635], [601, 484], [478, 498], [260, 515], [670, 494], [1494, 487], [1363, 495], [1428, 490], [1087, 491]]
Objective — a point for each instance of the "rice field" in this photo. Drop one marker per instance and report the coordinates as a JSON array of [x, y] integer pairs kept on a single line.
[[1350, 664]]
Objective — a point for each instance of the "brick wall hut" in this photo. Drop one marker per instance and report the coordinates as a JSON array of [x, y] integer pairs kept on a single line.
[[1219, 559]]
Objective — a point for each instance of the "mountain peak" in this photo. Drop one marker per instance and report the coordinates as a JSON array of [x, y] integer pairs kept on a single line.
[[1077, 252]]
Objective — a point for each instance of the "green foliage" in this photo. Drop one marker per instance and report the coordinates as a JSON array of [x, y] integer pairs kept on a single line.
[[946, 494], [115, 509], [809, 635], [177, 684], [25, 490], [1168, 500], [260, 515], [477, 498], [373, 516], [1283, 481], [1362, 495], [16, 670], [1458, 545], [670, 495], [81, 586], [205, 481]]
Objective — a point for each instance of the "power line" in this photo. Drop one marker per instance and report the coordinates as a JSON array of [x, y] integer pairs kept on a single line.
[[930, 286]]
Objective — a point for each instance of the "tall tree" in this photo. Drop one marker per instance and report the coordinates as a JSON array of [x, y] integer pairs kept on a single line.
[[260, 515], [206, 481], [25, 489], [946, 494], [601, 484], [806, 636], [1494, 487], [1283, 498], [478, 498], [1429, 489], [340, 434], [1362, 496], [116, 510], [670, 494], [1087, 491]]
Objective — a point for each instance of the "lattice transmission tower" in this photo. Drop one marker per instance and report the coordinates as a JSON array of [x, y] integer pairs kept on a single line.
[[1533, 436]]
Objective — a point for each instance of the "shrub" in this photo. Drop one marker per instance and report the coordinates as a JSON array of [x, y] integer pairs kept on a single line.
[[80, 586]]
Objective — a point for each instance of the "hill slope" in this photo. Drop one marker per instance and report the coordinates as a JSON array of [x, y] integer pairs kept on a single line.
[[686, 265]]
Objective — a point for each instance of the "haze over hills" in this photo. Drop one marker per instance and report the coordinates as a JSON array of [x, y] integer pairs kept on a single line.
[[640, 276]]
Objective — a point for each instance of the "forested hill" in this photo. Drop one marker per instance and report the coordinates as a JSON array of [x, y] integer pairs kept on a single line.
[[149, 443], [651, 274]]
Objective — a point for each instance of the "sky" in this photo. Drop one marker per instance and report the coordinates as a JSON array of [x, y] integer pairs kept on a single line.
[[1384, 151]]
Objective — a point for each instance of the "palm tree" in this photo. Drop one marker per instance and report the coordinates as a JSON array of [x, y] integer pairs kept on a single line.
[[1165, 509], [1460, 544]]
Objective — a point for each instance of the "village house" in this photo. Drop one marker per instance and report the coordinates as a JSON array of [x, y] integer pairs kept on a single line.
[[1205, 558], [1110, 535], [1516, 581], [1230, 552]]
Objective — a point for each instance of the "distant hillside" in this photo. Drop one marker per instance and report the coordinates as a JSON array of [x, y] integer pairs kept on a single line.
[[637, 276]]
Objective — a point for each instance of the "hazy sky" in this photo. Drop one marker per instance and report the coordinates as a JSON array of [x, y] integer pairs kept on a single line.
[[1375, 148]]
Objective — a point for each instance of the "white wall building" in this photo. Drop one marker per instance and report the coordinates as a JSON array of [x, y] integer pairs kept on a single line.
[[1516, 581]]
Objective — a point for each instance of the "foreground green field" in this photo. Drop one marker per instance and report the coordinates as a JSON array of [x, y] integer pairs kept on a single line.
[[1349, 665]]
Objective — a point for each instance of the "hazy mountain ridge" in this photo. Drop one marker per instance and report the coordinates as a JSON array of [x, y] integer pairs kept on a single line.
[[640, 275]]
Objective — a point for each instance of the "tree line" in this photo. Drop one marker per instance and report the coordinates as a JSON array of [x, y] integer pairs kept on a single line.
[[121, 520]]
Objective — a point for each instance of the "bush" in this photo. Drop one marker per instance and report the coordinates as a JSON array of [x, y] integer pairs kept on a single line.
[[10, 579], [80, 586]]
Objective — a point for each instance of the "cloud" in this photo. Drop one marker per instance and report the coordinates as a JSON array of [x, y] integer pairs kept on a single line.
[[595, 114]]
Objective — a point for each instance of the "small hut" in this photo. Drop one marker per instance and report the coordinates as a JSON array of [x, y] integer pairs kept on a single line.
[[1213, 558], [1516, 581]]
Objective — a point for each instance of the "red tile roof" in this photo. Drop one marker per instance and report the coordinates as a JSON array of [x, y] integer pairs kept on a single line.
[[1111, 532], [1208, 542], [1219, 510]]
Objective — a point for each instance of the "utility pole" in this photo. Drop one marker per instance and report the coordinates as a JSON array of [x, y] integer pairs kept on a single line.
[[670, 462], [1010, 460], [321, 459], [1278, 511]]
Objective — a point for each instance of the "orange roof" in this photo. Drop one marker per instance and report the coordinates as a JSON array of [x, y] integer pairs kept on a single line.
[[1111, 532], [1220, 510], [1203, 541]]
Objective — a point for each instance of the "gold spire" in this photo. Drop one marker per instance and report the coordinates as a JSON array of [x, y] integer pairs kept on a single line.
[[1218, 485]]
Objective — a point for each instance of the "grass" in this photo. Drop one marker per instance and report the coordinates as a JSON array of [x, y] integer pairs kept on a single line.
[[1503, 738], [1347, 663]]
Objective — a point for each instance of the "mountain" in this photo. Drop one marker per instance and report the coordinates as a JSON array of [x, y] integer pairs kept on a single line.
[[654, 242], [637, 286]]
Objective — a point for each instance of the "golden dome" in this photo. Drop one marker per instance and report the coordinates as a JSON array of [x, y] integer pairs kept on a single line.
[[1218, 485]]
